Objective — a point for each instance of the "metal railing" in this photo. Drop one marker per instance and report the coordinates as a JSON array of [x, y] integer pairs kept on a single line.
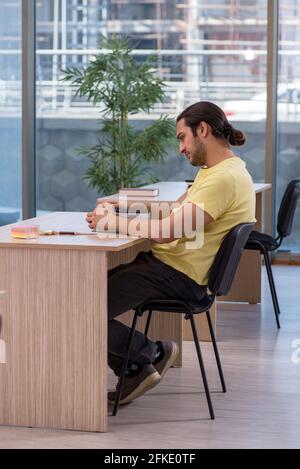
[[186, 73], [60, 97]]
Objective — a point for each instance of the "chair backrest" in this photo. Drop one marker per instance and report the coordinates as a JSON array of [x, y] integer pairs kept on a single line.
[[222, 271], [287, 208]]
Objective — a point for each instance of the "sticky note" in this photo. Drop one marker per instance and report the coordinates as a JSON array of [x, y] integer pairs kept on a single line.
[[25, 231]]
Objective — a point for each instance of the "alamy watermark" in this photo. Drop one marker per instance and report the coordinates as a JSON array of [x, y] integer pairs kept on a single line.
[[141, 220], [296, 354]]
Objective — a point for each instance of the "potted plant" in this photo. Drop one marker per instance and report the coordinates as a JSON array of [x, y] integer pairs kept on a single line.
[[121, 86]]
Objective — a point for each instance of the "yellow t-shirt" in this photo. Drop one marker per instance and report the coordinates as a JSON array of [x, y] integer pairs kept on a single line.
[[225, 191]]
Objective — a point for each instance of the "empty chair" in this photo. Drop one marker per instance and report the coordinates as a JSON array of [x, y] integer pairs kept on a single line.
[[265, 243], [220, 279]]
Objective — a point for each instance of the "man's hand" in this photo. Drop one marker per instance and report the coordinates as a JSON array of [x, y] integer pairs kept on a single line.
[[104, 211], [92, 219]]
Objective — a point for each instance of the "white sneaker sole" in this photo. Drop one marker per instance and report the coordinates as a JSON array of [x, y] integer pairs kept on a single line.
[[172, 358]]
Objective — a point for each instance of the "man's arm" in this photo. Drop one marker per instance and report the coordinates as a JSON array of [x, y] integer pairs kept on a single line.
[[188, 218], [182, 198], [181, 221]]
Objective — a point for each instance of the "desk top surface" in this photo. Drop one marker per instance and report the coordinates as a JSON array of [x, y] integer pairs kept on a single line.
[[169, 191], [75, 221], [65, 221]]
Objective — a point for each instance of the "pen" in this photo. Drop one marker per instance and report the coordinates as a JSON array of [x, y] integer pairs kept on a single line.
[[70, 233]]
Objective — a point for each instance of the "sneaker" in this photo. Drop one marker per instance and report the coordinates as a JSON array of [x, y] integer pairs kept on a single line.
[[137, 385], [170, 353]]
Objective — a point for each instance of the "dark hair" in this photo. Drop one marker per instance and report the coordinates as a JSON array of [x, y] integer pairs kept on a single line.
[[210, 113]]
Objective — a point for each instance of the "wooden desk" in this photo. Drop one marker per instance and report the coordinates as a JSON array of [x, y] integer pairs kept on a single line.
[[54, 324], [54, 321]]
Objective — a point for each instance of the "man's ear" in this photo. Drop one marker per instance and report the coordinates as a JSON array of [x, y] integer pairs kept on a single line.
[[202, 129]]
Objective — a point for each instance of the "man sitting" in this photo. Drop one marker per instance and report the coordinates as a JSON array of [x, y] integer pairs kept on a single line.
[[222, 195]]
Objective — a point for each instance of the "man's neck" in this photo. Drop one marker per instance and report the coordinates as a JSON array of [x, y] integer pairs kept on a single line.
[[217, 155]]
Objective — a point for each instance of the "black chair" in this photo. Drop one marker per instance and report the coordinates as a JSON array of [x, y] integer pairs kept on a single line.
[[220, 279], [265, 243]]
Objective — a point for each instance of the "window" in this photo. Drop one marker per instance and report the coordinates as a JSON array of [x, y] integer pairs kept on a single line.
[[10, 112], [288, 108], [213, 50]]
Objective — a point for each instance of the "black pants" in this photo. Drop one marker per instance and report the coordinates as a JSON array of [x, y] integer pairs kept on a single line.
[[129, 285]]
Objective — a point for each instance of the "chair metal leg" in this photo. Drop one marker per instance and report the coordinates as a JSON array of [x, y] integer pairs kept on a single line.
[[148, 323], [272, 286], [201, 364], [124, 365], [211, 330], [273, 282]]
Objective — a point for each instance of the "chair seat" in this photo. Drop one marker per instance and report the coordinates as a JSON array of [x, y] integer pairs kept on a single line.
[[177, 306], [256, 237]]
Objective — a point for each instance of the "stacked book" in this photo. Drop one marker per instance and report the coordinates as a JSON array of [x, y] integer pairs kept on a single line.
[[139, 192]]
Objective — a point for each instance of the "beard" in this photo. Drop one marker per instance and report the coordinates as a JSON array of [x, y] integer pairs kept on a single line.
[[198, 154]]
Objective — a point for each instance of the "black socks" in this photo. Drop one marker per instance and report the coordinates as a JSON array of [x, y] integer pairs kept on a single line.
[[134, 369]]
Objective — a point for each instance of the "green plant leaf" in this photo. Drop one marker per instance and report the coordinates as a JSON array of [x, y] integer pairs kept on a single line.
[[121, 86]]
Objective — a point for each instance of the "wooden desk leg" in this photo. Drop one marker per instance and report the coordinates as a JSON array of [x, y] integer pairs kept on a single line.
[[54, 325], [246, 286]]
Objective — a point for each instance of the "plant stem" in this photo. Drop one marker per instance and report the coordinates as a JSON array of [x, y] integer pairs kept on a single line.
[[114, 142], [123, 123]]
